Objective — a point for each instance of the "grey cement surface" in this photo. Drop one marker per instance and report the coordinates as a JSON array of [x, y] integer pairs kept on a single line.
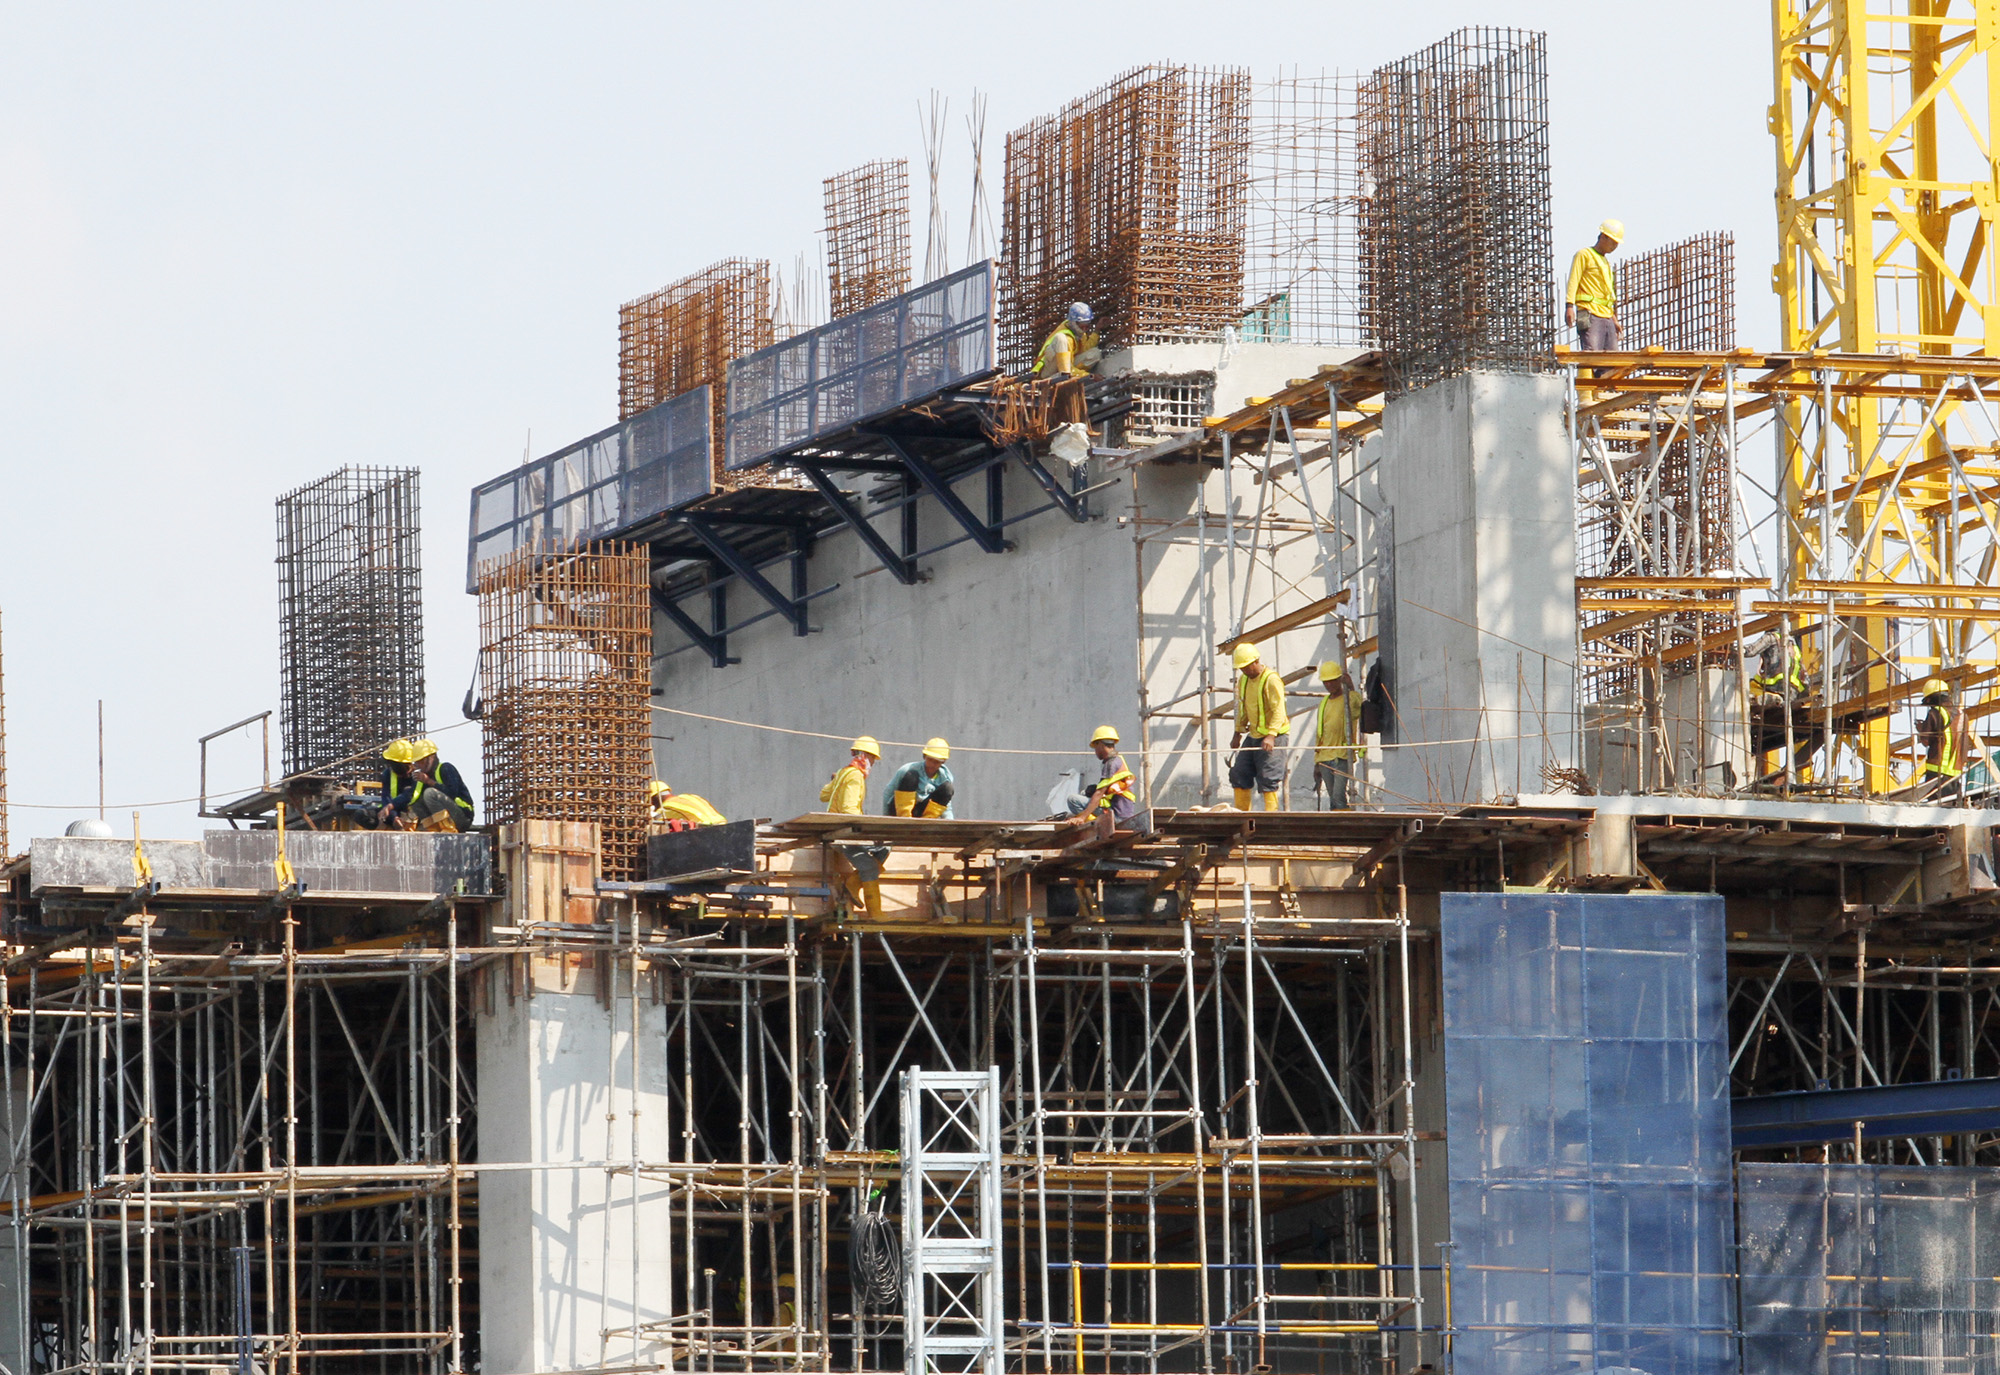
[[1479, 473], [353, 861], [86, 862], [1771, 809]]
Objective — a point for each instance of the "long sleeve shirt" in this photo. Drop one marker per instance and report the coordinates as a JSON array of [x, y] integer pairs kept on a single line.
[[1260, 705], [846, 792], [1335, 728], [1592, 284], [911, 778]]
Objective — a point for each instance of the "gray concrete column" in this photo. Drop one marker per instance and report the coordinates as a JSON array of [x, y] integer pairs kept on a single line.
[[572, 1252]]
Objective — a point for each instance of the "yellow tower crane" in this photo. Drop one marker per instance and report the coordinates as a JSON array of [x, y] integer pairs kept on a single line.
[[1886, 195]]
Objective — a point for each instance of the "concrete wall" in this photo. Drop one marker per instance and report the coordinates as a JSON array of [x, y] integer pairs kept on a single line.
[[564, 1254], [1478, 472]]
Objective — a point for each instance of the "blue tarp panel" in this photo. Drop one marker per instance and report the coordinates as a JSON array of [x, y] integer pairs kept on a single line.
[[1586, 1094]]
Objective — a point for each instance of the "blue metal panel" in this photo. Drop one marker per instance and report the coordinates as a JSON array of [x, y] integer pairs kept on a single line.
[[1945, 1107], [861, 366], [1586, 1094], [598, 488]]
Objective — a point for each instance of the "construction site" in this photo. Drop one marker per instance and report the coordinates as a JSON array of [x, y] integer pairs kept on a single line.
[[1632, 1007]]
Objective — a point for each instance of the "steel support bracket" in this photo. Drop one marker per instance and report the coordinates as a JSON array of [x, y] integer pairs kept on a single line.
[[713, 645], [732, 558], [1065, 500], [902, 569], [984, 535]]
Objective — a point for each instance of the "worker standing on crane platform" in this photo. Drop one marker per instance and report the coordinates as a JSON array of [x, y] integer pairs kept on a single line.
[[1941, 736], [922, 787], [1262, 729], [1591, 301], [1071, 350]]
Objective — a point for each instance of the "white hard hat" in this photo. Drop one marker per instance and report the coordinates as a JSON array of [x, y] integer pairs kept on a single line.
[[1079, 311]]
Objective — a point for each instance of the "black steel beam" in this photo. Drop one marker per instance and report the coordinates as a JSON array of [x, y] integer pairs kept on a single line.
[[904, 570], [732, 558], [1944, 1107], [984, 535], [1060, 495], [715, 646]]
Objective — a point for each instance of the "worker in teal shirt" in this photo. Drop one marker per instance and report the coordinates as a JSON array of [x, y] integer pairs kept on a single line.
[[922, 787]]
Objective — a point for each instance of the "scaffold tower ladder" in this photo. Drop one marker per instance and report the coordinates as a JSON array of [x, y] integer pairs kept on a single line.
[[952, 1312]]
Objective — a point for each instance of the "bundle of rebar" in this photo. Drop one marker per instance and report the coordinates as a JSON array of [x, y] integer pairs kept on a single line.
[[683, 336], [1681, 297], [1132, 200], [1457, 270], [350, 616], [1301, 279], [867, 235], [566, 643]]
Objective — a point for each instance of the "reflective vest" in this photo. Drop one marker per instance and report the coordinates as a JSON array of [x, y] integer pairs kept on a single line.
[[1053, 345], [1333, 730], [1795, 671], [1115, 787], [1948, 763], [1260, 705]]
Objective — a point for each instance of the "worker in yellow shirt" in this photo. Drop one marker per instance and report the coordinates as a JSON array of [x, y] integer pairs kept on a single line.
[[1336, 736], [1591, 301], [847, 791], [1071, 350], [674, 811], [1262, 730]]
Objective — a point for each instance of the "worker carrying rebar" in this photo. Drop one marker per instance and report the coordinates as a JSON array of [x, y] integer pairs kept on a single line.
[[1071, 350], [1114, 790], [922, 787], [674, 811], [421, 794], [1336, 737], [1591, 302], [1941, 736], [847, 791], [1262, 730]]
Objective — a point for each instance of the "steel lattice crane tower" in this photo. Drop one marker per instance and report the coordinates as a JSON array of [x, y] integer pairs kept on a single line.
[[1886, 196]]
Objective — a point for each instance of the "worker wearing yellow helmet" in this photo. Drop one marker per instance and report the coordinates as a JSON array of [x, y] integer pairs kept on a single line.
[[847, 791], [419, 793], [1941, 734], [1263, 729], [922, 787], [674, 811], [1336, 736], [1113, 791], [1591, 301]]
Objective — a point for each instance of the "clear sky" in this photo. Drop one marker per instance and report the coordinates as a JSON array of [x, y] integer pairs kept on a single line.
[[243, 244]]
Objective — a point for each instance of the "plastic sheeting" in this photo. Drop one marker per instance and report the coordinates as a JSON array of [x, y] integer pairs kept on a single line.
[[860, 366], [600, 487], [1587, 1108], [1850, 1269]]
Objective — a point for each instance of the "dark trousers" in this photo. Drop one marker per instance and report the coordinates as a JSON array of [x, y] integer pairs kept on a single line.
[[1597, 333], [1333, 780]]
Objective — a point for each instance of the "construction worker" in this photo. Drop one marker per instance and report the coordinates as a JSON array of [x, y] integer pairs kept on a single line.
[[1941, 734], [396, 783], [674, 811], [1781, 667], [431, 795], [922, 787], [1071, 349], [1336, 736], [1113, 791], [1262, 729], [847, 791], [1591, 302]]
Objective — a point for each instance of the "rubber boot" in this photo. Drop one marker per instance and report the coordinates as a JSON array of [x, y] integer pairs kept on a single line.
[[1242, 799], [871, 893], [1270, 802]]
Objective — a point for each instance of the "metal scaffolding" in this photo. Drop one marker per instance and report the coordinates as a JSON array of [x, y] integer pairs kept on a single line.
[[1456, 261], [1133, 199], [565, 666], [350, 615], [867, 235]]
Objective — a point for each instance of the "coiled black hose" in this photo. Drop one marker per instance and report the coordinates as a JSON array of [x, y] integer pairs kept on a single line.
[[875, 1256]]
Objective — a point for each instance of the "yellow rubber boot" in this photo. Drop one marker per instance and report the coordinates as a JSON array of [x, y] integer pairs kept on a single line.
[[1242, 799], [1270, 802], [872, 894]]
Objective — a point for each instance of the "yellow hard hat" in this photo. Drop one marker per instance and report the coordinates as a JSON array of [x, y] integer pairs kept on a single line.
[[1103, 733], [399, 752], [936, 748], [656, 787], [1245, 655], [788, 1281], [422, 748], [1330, 669], [865, 744], [1613, 229], [1935, 685]]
